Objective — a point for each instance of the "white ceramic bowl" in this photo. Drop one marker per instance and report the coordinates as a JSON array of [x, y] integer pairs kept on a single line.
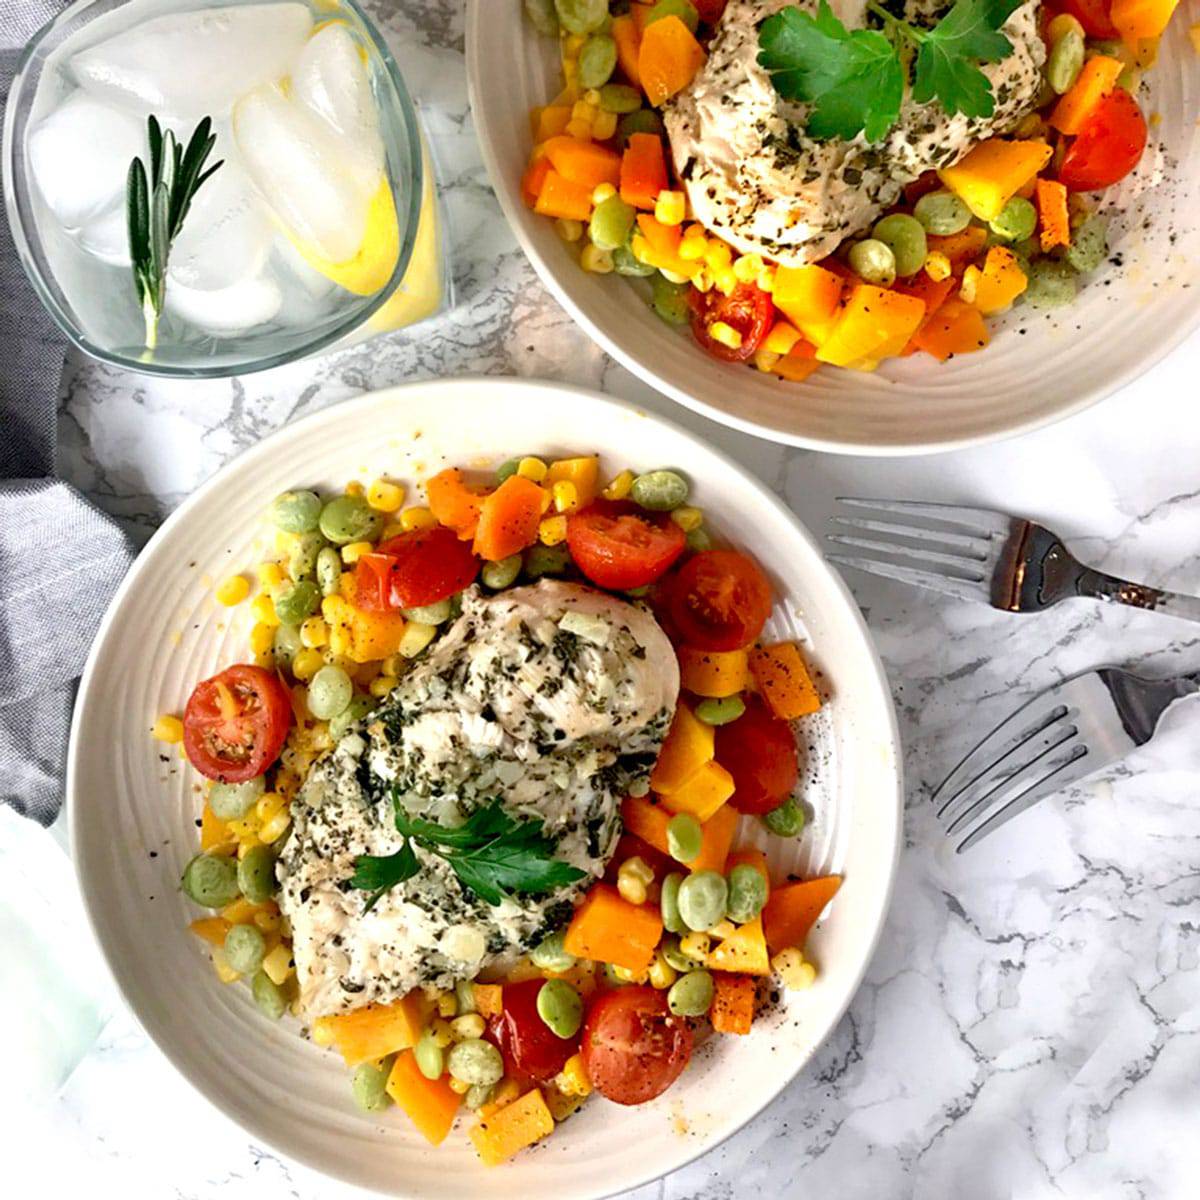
[[129, 797], [1039, 368]]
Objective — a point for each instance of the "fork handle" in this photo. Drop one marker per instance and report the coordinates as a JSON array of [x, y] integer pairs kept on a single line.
[[1137, 595]]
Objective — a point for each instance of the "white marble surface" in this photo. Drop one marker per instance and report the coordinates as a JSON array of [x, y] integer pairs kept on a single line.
[[1030, 1026]]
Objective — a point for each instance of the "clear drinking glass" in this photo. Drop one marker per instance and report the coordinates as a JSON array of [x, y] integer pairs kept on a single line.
[[93, 298]]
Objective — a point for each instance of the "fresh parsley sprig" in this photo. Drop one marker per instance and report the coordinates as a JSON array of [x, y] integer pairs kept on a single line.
[[493, 853], [156, 207], [855, 79]]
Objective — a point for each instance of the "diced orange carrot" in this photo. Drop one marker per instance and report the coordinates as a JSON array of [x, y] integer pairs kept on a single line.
[[668, 59], [744, 950], [798, 364], [560, 197], [534, 177], [933, 291], [1138, 21], [585, 162], [453, 502], [211, 929], [643, 170], [628, 37], [1053, 219], [956, 328], [1098, 77], [375, 1031], [713, 673], [717, 835], [663, 239], [793, 909], [733, 1003], [526, 1120], [431, 1104], [783, 680], [607, 928], [508, 519], [960, 248]]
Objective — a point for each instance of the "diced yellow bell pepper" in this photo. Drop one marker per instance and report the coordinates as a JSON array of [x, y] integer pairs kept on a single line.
[[993, 172]]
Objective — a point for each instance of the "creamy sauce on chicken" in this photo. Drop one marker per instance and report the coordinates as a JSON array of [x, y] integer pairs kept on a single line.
[[755, 178], [552, 699]]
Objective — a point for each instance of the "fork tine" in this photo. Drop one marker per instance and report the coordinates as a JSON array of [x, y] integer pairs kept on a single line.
[[964, 589], [972, 547], [1063, 770], [971, 567], [980, 520]]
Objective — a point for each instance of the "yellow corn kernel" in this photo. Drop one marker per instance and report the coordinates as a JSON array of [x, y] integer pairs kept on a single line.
[[447, 1004], [322, 1032], [702, 281], [634, 878], [604, 125], [233, 590], [794, 972], [269, 804], [765, 360], [573, 1078], [270, 575], [168, 729], [314, 632], [724, 280], [937, 266], [553, 531], [225, 973], [568, 230], [673, 276], [285, 542], [390, 530], [582, 110], [724, 333], [417, 517], [695, 946], [661, 974], [572, 44], [275, 828], [694, 244], [579, 128], [307, 663], [354, 488], [688, 517], [416, 637], [565, 495], [392, 665], [458, 1086], [263, 608], [468, 1026], [782, 338], [382, 684], [620, 486], [670, 207], [355, 550], [722, 930], [602, 192], [766, 279], [341, 642], [625, 975], [278, 965], [267, 921], [970, 283], [599, 262], [262, 638], [533, 469], [717, 253], [385, 496], [748, 267], [440, 1033]]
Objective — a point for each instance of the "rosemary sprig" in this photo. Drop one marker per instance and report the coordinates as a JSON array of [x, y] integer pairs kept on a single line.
[[156, 207]]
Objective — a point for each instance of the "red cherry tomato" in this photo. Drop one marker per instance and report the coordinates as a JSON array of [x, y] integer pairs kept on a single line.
[[235, 723], [529, 1046], [719, 600], [1093, 15], [748, 309], [373, 582], [633, 1047], [710, 10], [618, 548], [1109, 145], [421, 567], [759, 751]]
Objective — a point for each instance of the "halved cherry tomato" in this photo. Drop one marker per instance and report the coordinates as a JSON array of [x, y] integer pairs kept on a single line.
[[1109, 145], [616, 547], [710, 10], [748, 309], [235, 723], [421, 567], [633, 1047], [719, 600], [1093, 15], [529, 1046], [759, 751]]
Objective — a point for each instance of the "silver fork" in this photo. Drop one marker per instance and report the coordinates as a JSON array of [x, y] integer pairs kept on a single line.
[[1059, 737], [977, 554]]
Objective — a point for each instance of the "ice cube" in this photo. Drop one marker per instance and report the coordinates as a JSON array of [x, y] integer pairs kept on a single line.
[[293, 268], [237, 309], [80, 156], [192, 64], [228, 231], [301, 168], [330, 79], [106, 237]]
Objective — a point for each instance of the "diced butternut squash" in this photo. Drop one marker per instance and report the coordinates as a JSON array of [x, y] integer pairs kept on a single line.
[[793, 909], [629, 42], [431, 1104], [960, 248], [702, 793], [796, 366], [1098, 77], [374, 1032], [717, 836], [549, 122], [454, 502], [646, 818], [956, 328], [607, 928], [663, 239], [583, 472], [559, 197], [645, 253], [1137, 20], [585, 162], [517, 1125], [1053, 219], [744, 950], [509, 518], [533, 179], [643, 170], [489, 999], [215, 834], [668, 59], [934, 292], [689, 744], [733, 1003], [1001, 281], [366, 636], [783, 680], [990, 174], [875, 323], [807, 295], [714, 673], [211, 929]]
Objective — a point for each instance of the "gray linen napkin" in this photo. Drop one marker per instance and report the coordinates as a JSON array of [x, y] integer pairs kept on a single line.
[[60, 557]]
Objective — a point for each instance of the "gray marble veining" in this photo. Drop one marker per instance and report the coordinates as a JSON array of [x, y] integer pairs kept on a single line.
[[1030, 1025]]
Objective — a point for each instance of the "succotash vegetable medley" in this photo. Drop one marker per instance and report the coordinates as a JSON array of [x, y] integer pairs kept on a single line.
[[1009, 216], [679, 935]]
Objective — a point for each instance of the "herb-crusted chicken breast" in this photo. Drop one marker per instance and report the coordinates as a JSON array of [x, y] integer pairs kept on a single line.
[[552, 699]]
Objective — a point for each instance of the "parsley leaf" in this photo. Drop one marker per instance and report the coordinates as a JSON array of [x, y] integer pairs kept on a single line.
[[380, 875], [853, 80], [947, 59]]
